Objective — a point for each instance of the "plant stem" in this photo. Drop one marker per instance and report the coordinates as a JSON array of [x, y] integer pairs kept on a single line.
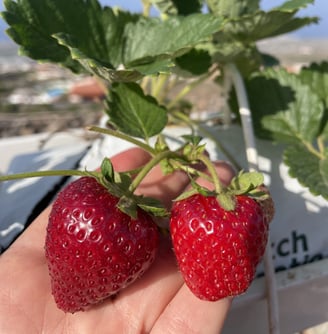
[[147, 167], [123, 136], [215, 178], [59, 172], [158, 86]]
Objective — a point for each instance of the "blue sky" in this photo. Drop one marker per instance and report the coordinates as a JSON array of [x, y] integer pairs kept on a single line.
[[319, 8]]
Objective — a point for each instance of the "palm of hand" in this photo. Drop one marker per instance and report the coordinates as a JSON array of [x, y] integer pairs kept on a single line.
[[159, 302]]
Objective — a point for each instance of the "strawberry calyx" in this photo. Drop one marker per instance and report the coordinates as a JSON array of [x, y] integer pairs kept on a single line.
[[122, 186], [244, 183]]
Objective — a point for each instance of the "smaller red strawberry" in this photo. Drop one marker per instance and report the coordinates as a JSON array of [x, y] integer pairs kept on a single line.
[[218, 250], [93, 249]]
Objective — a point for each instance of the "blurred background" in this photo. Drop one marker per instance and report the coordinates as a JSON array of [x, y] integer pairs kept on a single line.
[[39, 97]]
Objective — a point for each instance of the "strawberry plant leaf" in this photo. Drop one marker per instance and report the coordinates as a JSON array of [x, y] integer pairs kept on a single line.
[[100, 39], [309, 169], [195, 62], [282, 105], [184, 32], [100, 68], [135, 113], [261, 24], [316, 77], [96, 30], [232, 8], [293, 5]]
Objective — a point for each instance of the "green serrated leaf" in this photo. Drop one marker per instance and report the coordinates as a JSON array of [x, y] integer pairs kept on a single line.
[[233, 8], [184, 32], [99, 68], [293, 5], [259, 25], [195, 62], [96, 31], [308, 169], [135, 113], [285, 108], [316, 76]]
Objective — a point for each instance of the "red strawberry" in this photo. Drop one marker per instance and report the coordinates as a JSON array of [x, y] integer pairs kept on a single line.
[[93, 250], [217, 250]]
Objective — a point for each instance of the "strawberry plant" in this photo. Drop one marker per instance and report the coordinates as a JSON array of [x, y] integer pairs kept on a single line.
[[140, 59]]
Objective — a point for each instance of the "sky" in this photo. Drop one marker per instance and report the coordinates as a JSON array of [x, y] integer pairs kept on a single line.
[[319, 9]]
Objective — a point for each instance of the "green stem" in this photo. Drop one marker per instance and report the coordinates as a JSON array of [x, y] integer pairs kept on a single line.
[[215, 178], [145, 84], [123, 136], [59, 172], [147, 167], [158, 86]]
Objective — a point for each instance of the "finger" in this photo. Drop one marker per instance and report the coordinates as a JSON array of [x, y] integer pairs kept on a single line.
[[163, 187], [188, 314], [130, 159]]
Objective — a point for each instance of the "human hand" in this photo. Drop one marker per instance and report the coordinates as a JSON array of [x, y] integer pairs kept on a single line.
[[159, 302]]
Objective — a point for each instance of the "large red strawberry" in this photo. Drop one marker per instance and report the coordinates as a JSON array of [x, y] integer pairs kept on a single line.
[[93, 249], [217, 250]]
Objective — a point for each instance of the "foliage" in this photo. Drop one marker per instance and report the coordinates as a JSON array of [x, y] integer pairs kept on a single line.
[[139, 57]]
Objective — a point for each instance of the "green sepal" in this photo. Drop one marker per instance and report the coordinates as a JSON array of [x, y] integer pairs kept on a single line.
[[245, 182], [107, 170], [128, 205], [152, 205]]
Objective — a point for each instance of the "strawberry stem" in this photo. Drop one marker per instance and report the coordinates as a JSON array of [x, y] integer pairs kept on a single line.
[[121, 135], [151, 164], [58, 172], [215, 179]]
